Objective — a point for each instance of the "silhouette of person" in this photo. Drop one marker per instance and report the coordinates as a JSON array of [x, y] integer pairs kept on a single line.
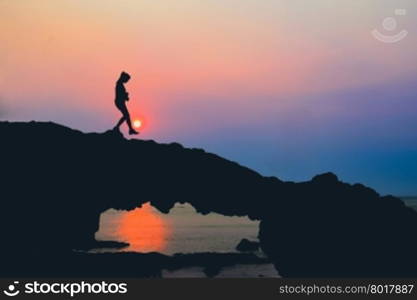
[[121, 97]]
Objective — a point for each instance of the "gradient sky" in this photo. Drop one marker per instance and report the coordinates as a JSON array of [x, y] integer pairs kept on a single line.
[[290, 88]]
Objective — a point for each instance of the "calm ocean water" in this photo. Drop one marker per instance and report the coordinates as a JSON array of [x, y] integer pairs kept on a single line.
[[185, 231], [410, 201], [182, 231]]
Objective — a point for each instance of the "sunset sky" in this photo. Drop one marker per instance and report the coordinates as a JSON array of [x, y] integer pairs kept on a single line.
[[290, 88]]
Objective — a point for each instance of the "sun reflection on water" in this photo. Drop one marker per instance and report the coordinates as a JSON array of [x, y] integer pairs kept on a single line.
[[143, 229]]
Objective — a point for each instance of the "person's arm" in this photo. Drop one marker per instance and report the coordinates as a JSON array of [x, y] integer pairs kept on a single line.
[[121, 93]]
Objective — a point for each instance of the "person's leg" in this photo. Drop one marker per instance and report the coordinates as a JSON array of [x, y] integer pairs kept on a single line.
[[128, 121], [126, 116], [122, 119]]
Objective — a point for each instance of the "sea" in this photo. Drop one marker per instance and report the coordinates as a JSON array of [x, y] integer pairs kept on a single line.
[[410, 201], [184, 230]]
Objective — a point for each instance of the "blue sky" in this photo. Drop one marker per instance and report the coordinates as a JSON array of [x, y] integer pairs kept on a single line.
[[290, 88]]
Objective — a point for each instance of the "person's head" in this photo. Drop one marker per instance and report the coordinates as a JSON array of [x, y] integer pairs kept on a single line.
[[124, 77]]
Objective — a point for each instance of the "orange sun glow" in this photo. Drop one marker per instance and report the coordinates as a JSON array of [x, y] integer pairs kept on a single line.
[[143, 229]]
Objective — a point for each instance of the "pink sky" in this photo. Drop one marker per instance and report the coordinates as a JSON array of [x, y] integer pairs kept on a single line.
[[197, 67]]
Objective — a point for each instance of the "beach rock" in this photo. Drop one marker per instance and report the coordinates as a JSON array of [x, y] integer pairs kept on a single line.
[[247, 246], [56, 181], [104, 245]]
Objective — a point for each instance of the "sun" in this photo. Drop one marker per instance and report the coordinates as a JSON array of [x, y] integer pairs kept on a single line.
[[137, 123]]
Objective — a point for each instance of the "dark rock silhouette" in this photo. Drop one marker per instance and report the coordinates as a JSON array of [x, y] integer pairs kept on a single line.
[[247, 246], [123, 264], [213, 263], [57, 181], [103, 245]]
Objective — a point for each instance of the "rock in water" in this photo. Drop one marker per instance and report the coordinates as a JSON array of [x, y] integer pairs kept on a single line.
[[247, 246], [55, 183]]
